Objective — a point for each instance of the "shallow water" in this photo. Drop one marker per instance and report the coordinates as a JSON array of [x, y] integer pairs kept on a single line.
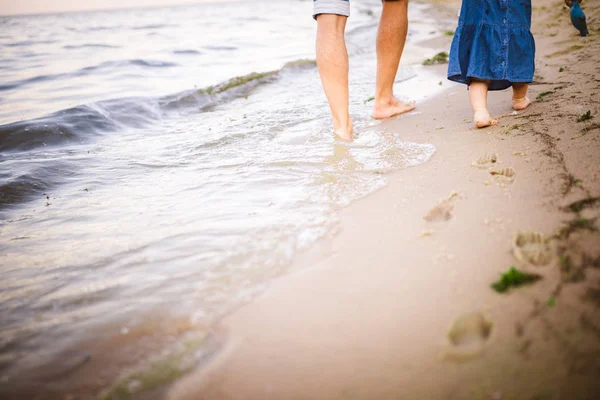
[[137, 172]]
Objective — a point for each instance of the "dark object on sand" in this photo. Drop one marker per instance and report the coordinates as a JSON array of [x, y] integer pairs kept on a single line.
[[439, 58], [578, 18], [585, 117], [514, 278]]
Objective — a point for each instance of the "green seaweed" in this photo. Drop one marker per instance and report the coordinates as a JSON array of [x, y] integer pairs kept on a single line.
[[591, 127], [566, 264], [561, 69], [583, 223], [241, 80], [439, 58], [510, 128], [449, 33], [586, 116], [570, 273], [568, 50], [551, 302], [207, 90], [303, 63], [579, 205], [577, 224], [514, 278], [159, 372], [544, 94], [369, 99]]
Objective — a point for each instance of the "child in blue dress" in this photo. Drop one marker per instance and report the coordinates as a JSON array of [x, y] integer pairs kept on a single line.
[[493, 49]]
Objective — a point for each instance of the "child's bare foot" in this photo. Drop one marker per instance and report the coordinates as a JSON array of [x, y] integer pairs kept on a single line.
[[390, 108], [521, 104], [483, 119], [345, 133]]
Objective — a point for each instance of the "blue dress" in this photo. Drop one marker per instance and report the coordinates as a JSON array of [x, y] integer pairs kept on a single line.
[[493, 42]]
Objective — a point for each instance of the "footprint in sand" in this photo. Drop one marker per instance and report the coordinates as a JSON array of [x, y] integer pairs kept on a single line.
[[533, 247], [503, 176], [443, 210], [485, 161], [467, 337]]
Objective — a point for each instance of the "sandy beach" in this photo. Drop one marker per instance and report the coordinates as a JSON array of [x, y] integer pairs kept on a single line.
[[398, 304]]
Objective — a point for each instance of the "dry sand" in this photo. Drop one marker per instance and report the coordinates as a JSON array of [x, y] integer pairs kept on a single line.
[[398, 306]]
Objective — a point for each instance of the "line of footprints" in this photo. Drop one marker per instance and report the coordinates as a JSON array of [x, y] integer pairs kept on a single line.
[[469, 332]]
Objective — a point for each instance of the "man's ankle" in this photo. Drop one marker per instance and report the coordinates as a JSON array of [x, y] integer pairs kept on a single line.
[[384, 98], [341, 124]]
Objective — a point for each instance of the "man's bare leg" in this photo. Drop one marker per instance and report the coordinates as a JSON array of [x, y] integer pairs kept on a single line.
[[391, 37], [332, 60]]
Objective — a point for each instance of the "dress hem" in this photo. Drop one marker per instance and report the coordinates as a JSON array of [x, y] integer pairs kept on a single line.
[[495, 83]]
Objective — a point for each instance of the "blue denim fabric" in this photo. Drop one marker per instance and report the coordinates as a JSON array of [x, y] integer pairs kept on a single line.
[[493, 42]]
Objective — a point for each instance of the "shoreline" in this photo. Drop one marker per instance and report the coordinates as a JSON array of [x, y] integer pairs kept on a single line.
[[139, 353], [399, 307], [142, 353]]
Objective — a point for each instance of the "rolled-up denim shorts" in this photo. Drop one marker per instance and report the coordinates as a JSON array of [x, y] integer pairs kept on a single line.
[[338, 7]]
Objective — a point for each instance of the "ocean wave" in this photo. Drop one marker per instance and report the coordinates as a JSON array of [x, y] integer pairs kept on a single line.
[[81, 122], [152, 26], [108, 65], [60, 127], [34, 179], [99, 28], [20, 189], [27, 81], [224, 91], [186, 52], [90, 45], [220, 48], [27, 43], [124, 63], [77, 123], [74, 126], [152, 63]]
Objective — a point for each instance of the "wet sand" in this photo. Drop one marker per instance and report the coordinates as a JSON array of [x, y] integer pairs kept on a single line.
[[400, 306]]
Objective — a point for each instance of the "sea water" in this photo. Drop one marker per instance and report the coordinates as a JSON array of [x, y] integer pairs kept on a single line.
[[174, 157]]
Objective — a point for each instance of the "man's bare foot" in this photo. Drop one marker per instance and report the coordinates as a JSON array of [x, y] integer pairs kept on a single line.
[[391, 108], [521, 104], [483, 119], [345, 133]]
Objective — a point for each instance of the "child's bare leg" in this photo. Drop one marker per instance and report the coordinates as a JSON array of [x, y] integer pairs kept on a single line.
[[478, 91], [520, 101]]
